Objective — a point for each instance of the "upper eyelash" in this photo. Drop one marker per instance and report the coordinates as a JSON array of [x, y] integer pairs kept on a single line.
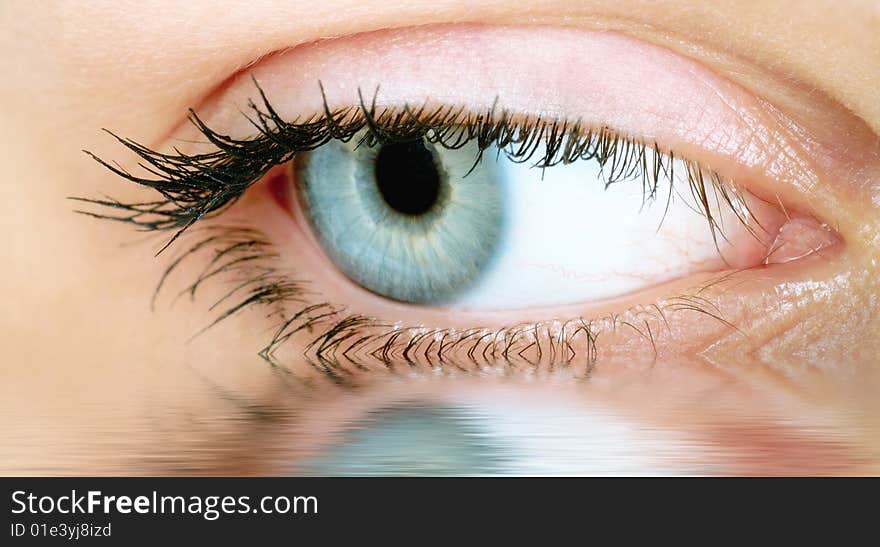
[[196, 186]]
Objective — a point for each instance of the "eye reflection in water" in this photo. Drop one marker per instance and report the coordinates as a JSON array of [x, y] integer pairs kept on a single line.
[[480, 430], [496, 439], [411, 440], [504, 427]]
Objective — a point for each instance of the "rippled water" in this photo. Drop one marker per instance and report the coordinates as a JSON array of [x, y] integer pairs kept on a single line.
[[420, 426], [418, 440]]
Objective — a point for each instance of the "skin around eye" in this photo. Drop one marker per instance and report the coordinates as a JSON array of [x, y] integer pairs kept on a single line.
[[683, 315]]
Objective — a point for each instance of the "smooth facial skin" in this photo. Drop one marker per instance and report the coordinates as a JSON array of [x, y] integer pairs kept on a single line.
[[781, 375]]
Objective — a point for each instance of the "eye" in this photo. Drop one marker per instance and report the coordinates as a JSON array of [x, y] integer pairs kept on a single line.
[[421, 222], [516, 220]]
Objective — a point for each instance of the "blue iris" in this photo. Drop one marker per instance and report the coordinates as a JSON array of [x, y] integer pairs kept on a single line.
[[409, 220]]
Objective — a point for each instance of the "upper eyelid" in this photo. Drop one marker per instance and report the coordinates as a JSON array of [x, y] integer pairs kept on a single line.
[[698, 39], [767, 141], [209, 102], [197, 185], [722, 161]]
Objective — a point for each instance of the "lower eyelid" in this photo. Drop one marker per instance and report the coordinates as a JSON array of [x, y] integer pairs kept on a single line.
[[680, 319]]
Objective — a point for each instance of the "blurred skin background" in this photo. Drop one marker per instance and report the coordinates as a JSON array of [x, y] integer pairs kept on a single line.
[[96, 381]]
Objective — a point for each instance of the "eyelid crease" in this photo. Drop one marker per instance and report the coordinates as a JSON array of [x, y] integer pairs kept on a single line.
[[204, 185]]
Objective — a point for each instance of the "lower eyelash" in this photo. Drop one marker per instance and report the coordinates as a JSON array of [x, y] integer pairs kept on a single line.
[[340, 343], [246, 263], [197, 186]]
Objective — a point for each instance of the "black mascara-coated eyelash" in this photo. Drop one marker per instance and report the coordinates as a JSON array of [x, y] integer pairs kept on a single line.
[[196, 186]]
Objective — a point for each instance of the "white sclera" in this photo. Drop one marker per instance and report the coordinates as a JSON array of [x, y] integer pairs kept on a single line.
[[570, 240]]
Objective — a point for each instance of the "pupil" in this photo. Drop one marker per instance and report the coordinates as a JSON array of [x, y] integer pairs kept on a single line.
[[407, 177]]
